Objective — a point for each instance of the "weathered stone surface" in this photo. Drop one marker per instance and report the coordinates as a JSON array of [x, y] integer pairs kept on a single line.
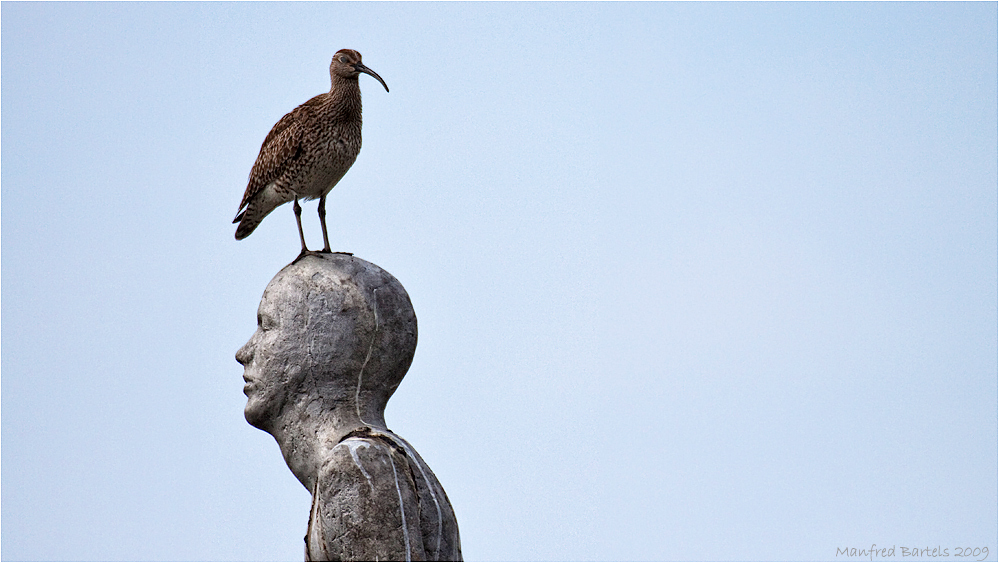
[[335, 336]]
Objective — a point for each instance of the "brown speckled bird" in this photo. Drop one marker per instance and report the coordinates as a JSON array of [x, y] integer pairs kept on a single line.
[[308, 150]]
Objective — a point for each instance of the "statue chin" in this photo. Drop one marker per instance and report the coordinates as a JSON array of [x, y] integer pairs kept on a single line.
[[259, 414], [254, 417]]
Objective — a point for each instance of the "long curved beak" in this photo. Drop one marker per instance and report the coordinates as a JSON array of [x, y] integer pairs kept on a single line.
[[361, 68]]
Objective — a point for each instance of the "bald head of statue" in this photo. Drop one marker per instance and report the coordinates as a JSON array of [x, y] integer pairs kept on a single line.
[[335, 336]]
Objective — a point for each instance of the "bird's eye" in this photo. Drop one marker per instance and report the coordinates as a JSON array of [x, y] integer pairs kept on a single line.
[[343, 59]]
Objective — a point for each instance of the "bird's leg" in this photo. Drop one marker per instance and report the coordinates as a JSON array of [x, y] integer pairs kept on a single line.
[[298, 219], [322, 221]]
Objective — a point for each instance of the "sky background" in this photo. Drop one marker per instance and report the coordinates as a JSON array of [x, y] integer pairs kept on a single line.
[[694, 281]]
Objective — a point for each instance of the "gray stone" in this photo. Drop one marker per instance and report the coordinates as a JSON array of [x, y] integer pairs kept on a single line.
[[335, 337]]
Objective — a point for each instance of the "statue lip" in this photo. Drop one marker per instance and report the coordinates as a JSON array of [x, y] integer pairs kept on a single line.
[[249, 384]]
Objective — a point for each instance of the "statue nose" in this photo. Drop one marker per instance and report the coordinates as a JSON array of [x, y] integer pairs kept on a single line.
[[245, 354]]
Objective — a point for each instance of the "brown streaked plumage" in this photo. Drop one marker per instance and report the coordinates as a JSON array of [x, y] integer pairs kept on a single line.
[[308, 150]]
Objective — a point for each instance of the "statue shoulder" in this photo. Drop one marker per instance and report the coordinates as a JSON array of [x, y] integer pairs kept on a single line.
[[365, 459], [365, 504]]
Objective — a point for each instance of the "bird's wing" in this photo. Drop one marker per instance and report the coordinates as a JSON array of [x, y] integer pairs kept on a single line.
[[281, 146]]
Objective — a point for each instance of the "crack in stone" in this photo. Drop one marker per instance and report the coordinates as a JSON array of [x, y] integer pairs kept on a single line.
[[410, 454], [433, 496], [402, 508], [360, 375], [353, 444]]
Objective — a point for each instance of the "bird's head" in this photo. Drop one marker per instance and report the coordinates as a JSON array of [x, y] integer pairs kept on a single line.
[[347, 64]]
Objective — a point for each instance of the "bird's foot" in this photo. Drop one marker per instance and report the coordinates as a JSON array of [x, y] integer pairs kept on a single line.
[[305, 252], [328, 251]]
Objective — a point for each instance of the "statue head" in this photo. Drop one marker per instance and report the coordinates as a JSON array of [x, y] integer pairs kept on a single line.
[[335, 336]]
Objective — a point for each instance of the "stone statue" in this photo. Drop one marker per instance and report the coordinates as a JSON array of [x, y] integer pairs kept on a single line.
[[335, 336]]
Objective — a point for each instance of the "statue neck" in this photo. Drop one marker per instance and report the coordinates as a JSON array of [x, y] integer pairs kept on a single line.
[[308, 432]]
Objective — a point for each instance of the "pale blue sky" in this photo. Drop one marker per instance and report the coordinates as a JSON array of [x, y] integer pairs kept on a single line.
[[694, 281]]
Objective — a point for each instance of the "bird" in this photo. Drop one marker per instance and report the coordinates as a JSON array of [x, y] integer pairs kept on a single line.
[[308, 150]]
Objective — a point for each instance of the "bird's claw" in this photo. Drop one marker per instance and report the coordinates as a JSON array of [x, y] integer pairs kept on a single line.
[[306, 252]]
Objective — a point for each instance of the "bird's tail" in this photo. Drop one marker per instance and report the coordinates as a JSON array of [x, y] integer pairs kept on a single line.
[[259, 207], [248, 221], [249, 218]]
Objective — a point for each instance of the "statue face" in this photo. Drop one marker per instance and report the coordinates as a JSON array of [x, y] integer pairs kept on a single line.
[[272, 359], [333, 334]]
